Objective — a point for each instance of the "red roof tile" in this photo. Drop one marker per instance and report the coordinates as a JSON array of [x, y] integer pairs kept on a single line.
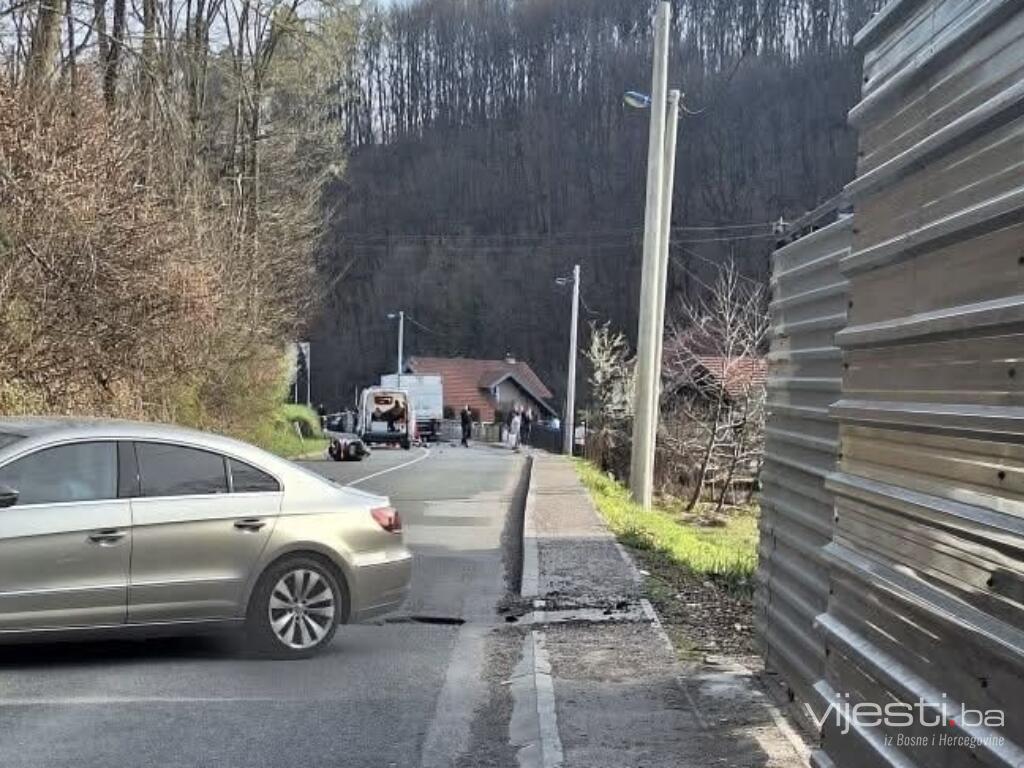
[[739, 374]]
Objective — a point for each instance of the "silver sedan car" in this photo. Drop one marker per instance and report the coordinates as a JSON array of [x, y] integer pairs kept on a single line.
[[117, 527]]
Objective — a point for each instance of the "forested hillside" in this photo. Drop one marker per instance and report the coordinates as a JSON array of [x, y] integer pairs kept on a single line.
[[490, 150]]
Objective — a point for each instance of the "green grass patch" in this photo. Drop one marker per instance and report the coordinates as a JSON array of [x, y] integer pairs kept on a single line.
[[305, 418], [293, 431], [726, 551]]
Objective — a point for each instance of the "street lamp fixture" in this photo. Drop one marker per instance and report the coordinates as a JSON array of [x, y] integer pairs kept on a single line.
[[636, 100]]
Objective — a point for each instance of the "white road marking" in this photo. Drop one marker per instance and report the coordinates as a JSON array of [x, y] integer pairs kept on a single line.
[[551, 744], [425, 454], [529, 583]]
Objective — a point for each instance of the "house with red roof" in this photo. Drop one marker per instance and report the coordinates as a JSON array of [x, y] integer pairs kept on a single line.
[[487, 386], [731, 378]]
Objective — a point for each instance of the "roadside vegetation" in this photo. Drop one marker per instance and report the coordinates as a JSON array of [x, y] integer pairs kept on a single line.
[[294, 430], [161, 176], [724, 550], [698, 567]]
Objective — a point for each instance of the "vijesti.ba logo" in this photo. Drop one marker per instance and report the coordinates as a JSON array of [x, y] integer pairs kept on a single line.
[[894, 715]]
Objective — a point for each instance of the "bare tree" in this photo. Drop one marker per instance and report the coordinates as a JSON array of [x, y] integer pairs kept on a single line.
[[714, 373], [140, 274]]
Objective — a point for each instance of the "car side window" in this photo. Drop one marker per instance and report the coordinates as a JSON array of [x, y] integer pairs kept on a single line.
[[175, 470], [247, 479], [65, 473]]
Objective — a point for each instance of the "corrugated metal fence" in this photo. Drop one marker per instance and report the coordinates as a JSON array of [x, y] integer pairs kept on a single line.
[[808, 307], [924, 564]]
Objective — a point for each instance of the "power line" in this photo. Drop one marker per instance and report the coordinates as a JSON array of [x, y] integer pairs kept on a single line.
[[715, 264], [541, 242], [692, 275], [421, 326], [547, 237]]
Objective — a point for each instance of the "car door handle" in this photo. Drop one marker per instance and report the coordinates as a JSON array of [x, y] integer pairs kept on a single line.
[[107, 537], [250, 525]]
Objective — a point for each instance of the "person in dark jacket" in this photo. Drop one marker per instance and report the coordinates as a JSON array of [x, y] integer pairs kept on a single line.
[[526, 426], [467, 425]]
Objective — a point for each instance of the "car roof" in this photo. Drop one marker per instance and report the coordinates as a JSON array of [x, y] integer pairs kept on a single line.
[[53, 426], [48, 429], [41, 431]]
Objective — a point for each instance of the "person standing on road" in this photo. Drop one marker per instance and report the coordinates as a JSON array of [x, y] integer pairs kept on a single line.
[[526, 426], [513, 432], [467, 425]]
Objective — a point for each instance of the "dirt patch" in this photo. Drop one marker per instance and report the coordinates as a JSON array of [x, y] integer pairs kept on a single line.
[[702, 616]]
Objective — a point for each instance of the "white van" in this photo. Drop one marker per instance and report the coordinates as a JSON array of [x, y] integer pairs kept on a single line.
[[387, 417], [427, 394]]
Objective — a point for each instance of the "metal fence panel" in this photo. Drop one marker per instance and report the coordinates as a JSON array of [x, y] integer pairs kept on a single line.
[[809, 301], [926, 561]]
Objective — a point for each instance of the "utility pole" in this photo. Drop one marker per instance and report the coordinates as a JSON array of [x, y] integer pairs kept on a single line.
[[569, 436], [665, 241], [401, 335], [641, 475], [401, 339]]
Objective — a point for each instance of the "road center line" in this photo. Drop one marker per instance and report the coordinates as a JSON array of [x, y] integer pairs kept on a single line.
[[425, 454]]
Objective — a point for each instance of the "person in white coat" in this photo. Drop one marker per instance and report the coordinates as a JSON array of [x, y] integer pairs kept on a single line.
[[514, 427]]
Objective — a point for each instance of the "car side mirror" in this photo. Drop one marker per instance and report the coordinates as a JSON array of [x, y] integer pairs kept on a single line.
[[8, 496]]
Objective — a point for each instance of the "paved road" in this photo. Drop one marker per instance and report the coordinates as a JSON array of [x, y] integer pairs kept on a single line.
[[398, 693]]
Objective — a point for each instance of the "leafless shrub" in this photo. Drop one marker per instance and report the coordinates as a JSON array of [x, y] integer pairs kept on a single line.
[[117, 298], [713, 429], [160, 203]]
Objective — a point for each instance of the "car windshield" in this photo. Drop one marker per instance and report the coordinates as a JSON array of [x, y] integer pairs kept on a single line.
[[7, 438]]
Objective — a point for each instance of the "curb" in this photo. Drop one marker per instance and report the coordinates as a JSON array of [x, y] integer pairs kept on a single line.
[[530, 582], [536, 716], [529, 586]]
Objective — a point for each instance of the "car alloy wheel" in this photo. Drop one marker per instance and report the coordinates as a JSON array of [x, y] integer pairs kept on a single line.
[[295, 608], [302, 609]]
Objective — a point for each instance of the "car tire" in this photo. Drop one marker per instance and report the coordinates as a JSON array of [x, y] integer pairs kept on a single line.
[[335, 452], [295, 609], [406, 444], [352, 452]]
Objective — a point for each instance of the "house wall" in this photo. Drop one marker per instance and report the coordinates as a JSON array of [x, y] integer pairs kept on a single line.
[[510, 394]]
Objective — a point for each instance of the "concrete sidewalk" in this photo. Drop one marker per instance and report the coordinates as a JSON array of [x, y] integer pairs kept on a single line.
[[620, 696]]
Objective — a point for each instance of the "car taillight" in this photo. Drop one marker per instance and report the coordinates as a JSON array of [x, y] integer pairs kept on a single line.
[[388, 519]]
